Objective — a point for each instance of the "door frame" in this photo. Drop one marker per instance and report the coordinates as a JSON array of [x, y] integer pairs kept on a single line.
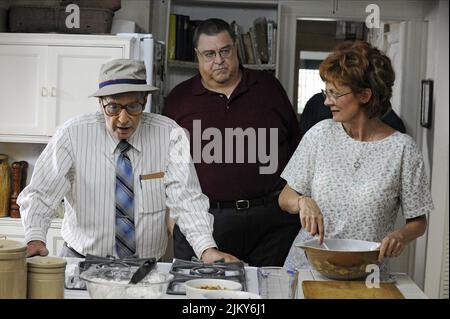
[[414, 53]]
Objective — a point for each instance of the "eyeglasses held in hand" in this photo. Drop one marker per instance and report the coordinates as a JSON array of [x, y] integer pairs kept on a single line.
[[333, 95], [114, 109], [210, 55]]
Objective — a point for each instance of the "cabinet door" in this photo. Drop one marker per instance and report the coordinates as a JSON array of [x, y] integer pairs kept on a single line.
[[12, 228], [73, 76], [23, 90], [55, 241]]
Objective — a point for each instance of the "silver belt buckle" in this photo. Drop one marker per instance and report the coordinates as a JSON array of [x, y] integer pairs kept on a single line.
[[245, 202]]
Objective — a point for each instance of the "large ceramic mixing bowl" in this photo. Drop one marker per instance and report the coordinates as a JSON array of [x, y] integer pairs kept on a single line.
[[341, 259]]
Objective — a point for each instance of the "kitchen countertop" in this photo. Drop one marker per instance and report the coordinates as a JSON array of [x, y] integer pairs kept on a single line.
[[404, 283], [250, 272]]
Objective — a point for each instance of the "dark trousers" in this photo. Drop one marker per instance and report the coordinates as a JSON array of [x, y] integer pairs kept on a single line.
[[260, 236]]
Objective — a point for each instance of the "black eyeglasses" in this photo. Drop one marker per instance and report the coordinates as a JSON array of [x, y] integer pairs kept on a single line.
[[210, 55], [333, 95], [114, 109]]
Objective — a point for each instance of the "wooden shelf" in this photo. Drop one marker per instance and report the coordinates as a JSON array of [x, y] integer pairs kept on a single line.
[[229, 3], [194, 65]]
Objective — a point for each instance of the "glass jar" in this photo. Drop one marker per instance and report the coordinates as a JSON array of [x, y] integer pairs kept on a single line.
[[5, 185]]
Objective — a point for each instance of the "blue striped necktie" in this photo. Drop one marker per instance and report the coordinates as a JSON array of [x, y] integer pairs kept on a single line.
[[125, 232]]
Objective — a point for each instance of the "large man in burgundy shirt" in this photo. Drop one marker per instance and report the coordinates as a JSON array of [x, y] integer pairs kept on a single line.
[[243, 130]]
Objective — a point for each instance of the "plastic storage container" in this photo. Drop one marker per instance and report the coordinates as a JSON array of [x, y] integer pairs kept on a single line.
[[46, 277], [13, 269]]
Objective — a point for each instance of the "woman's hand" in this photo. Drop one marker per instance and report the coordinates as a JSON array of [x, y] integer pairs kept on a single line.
[[311, 217], [392, 245]]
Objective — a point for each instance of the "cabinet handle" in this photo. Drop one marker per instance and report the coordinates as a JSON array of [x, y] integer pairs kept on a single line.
[[44, 91], [335, 6], [53, 92]]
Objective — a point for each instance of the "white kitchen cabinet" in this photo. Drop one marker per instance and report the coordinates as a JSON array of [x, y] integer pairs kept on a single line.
[[23, 102], [47, 79], [12, 228], [73, 76]]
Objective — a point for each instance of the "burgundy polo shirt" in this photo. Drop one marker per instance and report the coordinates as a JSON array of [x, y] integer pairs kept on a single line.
[[232, 170]]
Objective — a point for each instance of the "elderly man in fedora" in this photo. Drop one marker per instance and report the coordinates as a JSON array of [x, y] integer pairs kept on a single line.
[[117, 170]]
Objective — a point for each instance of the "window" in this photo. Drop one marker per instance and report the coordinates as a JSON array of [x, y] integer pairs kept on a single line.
[[309, 81]]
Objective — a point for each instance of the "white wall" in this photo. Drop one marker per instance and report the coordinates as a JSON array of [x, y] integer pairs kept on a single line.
[[137, 11], [437, 142]]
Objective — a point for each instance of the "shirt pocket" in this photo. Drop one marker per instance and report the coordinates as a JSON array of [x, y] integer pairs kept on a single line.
[[153, 195]]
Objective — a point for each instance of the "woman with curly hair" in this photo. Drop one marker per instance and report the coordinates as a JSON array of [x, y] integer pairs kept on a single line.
[[350, 174]]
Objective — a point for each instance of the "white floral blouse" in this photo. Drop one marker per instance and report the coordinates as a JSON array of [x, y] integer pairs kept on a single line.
[[358, 186]]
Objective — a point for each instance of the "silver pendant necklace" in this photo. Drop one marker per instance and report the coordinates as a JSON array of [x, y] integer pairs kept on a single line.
[[359, 159]]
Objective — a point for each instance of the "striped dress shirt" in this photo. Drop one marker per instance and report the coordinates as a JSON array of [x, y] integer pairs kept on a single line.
[[78, 165]]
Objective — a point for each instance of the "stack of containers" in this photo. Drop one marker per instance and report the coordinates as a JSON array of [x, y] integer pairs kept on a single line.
[[33, 278]]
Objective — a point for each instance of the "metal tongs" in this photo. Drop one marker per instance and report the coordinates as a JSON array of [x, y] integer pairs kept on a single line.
[[143, 270], [145, 265]]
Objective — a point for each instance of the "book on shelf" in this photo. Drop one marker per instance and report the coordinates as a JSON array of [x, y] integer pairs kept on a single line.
[[271, 41], [246, 38], [189, 53], [171, 43], [260, 30], [239, 42], [255, 48], [182, 22], [181, 33]]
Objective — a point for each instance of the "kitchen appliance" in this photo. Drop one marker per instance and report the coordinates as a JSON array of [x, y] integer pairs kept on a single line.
[[145, 48], [185, 270]]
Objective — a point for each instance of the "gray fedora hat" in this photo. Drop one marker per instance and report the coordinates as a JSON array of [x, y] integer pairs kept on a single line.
[[121, 76]]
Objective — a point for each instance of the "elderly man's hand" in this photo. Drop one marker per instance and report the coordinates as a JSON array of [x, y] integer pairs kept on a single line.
[[211, 255], [36, 248]]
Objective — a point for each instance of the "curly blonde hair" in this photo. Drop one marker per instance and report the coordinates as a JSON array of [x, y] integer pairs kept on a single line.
[[360, 66]]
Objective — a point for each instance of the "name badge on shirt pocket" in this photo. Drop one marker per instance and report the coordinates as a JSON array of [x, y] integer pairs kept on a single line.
[[153, 196]]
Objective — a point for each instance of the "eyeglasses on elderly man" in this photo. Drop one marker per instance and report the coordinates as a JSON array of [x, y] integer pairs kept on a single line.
[[114, 109]]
